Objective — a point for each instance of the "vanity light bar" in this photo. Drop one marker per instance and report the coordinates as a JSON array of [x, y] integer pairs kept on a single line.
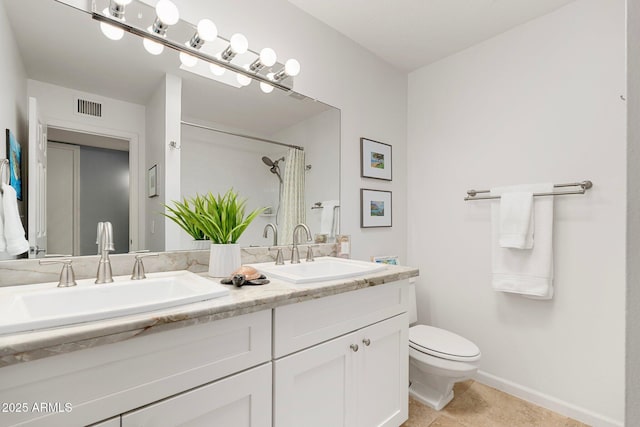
[[183, 48]]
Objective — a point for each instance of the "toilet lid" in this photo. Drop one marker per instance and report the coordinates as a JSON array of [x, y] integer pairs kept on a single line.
[[444, 344]]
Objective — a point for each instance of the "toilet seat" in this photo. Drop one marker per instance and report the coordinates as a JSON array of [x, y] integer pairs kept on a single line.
[[443, 344]]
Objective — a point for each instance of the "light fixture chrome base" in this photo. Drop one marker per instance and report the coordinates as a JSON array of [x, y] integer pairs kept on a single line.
[[159, 29]]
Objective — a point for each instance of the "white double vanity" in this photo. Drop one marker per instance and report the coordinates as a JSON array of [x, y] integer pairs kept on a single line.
[[331, 353]]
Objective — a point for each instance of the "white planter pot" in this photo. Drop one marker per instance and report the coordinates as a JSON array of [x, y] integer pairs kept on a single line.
[[199, 245], [224, 259]]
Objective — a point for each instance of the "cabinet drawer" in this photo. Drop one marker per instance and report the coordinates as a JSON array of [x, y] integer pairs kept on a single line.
[[298, 326], [104, 381], [242, 400]]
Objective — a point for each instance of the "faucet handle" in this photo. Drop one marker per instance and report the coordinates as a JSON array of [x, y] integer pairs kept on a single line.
[[67, 276], [310, 253], [295, 255], [279, 257], [138, 267]]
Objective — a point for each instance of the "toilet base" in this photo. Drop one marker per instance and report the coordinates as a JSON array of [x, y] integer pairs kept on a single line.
[[435, 399], [432, 385]]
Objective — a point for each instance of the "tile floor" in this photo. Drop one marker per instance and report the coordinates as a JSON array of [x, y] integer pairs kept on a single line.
[[477, 405]]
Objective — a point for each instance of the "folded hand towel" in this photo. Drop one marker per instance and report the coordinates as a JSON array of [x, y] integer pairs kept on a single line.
[[516, 220], [530, 271], [328, 217], [13, 229], [3, 242]]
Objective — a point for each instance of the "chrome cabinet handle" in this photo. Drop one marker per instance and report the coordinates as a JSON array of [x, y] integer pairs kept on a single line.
[[366, 342], [354, 347]]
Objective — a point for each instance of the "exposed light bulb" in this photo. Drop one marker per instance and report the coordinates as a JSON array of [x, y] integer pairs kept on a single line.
[[292, 67], [216, 69], [266, 88], [243, 80], [154, 48], [111, 32], [122, 2], [207, 30], [188, 60], [167, 12], [268, 57], [239, 43]]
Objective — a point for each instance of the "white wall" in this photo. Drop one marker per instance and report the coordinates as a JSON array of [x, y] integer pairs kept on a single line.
[[633, 215], [13, 102], [322, 182], [215, 162], [164, 111], [171, 185], [155, 155], [119, 119], [370, 93], [538, 103], [13, 86]]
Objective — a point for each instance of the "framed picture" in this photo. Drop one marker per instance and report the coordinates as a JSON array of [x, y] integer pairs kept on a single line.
[[375, 208], [390, 260], [14, 154], [152, 181], [375, 159]]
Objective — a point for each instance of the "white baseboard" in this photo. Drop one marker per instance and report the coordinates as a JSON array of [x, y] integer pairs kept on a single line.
[[546, 401]]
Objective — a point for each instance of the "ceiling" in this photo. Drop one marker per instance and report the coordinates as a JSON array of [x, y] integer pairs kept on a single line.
[[410, 34]]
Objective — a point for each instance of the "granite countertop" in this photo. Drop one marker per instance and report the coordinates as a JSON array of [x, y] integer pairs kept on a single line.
[[24, 347]]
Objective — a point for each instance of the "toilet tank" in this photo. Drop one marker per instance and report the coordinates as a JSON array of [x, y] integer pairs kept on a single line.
[[413, 305]]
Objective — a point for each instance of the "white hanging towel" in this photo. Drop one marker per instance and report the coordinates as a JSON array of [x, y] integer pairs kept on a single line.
[[13, 229], [328, 217], [516, 220], [3, 242], [525, 271]]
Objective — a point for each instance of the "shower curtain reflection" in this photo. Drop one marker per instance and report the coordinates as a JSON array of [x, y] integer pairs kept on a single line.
[[293, 201]]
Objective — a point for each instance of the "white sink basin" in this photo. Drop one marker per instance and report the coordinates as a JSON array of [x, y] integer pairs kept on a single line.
[[31, 307], [322, 269]]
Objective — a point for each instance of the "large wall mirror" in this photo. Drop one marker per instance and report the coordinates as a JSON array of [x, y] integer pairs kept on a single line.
[[106, 104]]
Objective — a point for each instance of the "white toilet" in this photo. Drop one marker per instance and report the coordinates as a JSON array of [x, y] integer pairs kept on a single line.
[[437, 360]]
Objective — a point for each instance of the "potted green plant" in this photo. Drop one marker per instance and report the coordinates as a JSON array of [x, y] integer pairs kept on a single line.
[[185, 214], [221, 220]]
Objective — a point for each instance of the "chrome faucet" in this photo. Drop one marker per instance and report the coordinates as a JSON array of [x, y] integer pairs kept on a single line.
[[279, 257], [295, 255], [275, 232], [104, 241]]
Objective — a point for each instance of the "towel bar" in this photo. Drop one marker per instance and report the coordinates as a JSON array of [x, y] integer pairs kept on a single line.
[[584, 186]]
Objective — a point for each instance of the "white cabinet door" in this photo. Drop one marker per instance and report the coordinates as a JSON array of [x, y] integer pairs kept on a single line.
[[242, 400], [315, 387], [360, 379], [382, 372]]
